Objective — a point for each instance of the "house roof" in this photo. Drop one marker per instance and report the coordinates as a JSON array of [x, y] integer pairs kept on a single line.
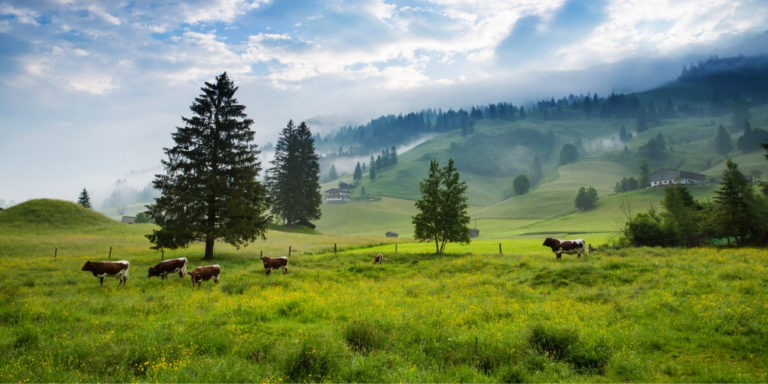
[[666, 174]]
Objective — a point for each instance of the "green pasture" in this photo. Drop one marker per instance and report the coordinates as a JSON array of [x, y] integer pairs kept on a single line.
[[472, 315]]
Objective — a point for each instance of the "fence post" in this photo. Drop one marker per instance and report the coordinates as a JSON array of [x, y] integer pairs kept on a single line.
[[110, 254], [395, 247], [334, 248], [261, 254], [289, 251], [500, 249], [55, 252], [162, 254]]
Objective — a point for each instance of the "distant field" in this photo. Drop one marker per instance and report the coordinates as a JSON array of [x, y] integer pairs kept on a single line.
[[473, 315]]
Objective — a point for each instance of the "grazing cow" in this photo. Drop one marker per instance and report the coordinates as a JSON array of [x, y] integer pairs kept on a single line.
[[378, 259], [271, 263], [204, 273], [101, 269], [566, 246], [164, 268]]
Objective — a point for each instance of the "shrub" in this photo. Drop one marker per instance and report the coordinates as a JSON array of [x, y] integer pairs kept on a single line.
[[514, 374], [312, 361], [363, 336], [556, 342]]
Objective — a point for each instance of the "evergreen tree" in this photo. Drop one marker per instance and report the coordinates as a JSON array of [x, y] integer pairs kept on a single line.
[[372, 169], [358, 174], [84, 199], [521, 184], [669, 110], [210, 188], [332, 173], [624, 135], [442, 208], [536, 171], [641, 124], [309, 164], [740, 115], [293, 180], [653, 114], [681, 219], [723, 143], [393, 156], [733, 203], [645, 174]]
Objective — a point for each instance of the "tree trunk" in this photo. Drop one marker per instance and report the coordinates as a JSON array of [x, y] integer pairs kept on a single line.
[[208, 247]]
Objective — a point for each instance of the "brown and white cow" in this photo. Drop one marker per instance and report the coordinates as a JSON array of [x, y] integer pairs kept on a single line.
[[378, 259], [102, 269], [206, 272], [271, 263], [566, 246], [164, 268]]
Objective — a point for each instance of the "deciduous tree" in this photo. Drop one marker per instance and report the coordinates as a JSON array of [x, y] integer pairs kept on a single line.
[[442, 208]]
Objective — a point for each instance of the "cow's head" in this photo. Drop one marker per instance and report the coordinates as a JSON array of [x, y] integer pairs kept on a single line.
[[87, 266], [550, 242], [151, 272]]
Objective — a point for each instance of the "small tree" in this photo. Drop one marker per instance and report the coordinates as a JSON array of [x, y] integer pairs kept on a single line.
[[332, 174], [521, 184], [84, 199], [372, 169], [733, 205], [568, 154], [442, 208], [645, 174], [358, 174], [586, 198], [723, 143]]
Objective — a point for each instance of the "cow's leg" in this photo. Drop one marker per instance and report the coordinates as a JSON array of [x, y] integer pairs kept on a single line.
[[216, 280], [285, 270], [267, 271], [101, 280], [559, 255]]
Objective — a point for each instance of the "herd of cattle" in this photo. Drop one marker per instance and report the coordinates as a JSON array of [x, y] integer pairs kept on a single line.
[[119, 269]]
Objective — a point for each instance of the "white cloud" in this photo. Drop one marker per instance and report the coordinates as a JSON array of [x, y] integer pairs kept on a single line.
[[22, 15], [637, 28], [94, 84], [218, 10]]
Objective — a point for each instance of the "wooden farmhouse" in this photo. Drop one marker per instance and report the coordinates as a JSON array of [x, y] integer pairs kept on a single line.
[[336, 195], [665, 176], [128, 219], [391, 234]]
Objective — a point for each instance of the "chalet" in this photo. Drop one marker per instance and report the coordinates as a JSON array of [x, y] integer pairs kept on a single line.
[[665, 176], [474, 232], [336, 195], [128, 219], [391, 234]]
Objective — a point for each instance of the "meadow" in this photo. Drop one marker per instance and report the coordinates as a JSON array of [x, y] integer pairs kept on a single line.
[[472, 315]]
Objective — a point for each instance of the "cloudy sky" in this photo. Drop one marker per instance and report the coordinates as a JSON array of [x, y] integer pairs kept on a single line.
[[91, 90]]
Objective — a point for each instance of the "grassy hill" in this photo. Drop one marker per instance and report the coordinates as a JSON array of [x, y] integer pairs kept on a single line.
[[48, 214]]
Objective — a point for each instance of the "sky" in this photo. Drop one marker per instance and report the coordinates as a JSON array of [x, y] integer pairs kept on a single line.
[[92, 90]]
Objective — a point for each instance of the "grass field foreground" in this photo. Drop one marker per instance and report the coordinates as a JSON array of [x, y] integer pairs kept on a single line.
[[473, 315]]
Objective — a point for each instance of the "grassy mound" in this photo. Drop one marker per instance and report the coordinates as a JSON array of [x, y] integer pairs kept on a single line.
[[48, 214]]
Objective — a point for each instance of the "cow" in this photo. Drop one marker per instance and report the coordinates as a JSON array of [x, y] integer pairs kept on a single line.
[[102, 269], [378, 259], [271, 263], [566, 246], [164, 268], [200, 274]]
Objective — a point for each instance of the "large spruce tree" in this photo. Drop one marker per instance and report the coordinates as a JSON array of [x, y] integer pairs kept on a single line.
[[210, 189], [442, 208], [294, 179], [723, 143]]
